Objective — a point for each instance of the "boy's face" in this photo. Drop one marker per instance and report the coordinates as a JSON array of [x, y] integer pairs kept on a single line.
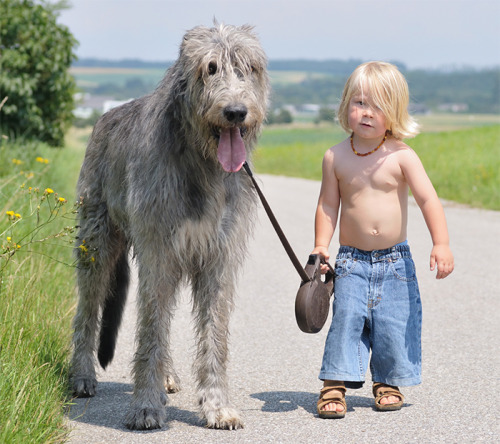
[[365, 119]]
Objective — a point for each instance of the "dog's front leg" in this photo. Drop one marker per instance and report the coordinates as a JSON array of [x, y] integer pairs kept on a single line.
[[212, 307], [155, 304]]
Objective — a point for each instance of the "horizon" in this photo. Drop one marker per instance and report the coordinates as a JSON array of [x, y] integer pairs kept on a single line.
[[167, 63]]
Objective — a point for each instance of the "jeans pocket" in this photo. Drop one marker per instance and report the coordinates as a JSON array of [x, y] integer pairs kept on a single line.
[[404, 269], [344, 267]]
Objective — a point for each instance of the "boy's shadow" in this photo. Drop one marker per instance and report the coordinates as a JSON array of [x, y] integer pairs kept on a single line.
[[280, 402]]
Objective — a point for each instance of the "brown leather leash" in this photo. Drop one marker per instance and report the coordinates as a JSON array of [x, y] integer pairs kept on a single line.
[[313, 297], [302, 273]]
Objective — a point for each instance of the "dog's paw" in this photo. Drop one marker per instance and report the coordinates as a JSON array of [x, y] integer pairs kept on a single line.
[[84, 387], [147, 418], [172, 384], [223, 418]]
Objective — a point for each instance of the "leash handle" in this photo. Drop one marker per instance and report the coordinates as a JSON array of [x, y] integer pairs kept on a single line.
[[302, 273]]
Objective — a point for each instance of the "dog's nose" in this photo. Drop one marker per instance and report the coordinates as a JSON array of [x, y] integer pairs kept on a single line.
[[235, 113]]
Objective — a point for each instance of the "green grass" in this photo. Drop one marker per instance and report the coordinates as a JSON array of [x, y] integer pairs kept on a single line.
[[463, 165], [295, 151], [37, 296]]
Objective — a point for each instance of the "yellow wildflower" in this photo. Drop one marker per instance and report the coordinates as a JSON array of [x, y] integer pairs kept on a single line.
[[9, 239], [83, 248], [39, 159], [49, 190], [62, 200], [18, 216], [17, 162], [10, 213]]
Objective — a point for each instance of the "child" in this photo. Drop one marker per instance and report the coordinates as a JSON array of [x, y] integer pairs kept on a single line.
[[377, 303]]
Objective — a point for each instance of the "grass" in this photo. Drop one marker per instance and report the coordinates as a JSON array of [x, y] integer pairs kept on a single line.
[[37, 295], [463, 165]]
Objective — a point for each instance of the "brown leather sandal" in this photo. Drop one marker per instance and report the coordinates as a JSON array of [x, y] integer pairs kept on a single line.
[[326, 397], [381, 390]]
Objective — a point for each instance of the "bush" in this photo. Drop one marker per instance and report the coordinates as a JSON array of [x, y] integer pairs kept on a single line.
[[35, 55]]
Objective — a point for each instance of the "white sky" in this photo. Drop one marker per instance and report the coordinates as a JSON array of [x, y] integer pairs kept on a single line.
[[419, 33]]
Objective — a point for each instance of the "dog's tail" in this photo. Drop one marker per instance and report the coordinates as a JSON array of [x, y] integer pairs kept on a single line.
[[113, 310]]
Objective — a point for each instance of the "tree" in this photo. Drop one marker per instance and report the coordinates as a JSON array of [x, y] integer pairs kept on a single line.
[[325, 114], [279, 116], [35, 55]]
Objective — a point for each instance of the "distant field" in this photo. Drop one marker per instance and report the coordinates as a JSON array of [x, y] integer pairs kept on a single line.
[[88, 77], [287, 77], [437, 122], [93, 76]]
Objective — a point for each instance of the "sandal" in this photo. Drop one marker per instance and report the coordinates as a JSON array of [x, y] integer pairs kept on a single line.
[[326, 397], [381, 390]]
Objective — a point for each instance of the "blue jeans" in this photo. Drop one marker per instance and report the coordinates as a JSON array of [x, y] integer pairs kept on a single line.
[[376, 307]]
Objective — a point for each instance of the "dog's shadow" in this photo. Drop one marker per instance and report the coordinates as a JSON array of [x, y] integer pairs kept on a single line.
[[280, 402], [108, 408]]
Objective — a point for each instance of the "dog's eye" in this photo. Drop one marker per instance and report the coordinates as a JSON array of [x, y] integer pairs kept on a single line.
[[212, 68]]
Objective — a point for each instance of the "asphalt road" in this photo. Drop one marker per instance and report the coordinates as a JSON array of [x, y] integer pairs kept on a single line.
[[274, 366]]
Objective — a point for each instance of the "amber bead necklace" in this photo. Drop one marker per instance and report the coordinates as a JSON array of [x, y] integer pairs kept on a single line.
[[369, 152]]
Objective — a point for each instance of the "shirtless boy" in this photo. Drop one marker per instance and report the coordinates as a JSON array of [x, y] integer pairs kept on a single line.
[[377, 304]]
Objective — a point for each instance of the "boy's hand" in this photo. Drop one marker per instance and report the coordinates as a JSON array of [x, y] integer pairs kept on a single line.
[[442, 256], [324, 252]]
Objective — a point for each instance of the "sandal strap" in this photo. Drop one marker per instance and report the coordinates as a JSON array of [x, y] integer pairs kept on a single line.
[[381, 390], [329, 388], [326, 397]]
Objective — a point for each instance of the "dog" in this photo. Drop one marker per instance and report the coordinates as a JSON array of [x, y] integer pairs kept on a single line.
[[162, 177]]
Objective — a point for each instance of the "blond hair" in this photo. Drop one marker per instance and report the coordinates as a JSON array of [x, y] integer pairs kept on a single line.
[[388, 90]]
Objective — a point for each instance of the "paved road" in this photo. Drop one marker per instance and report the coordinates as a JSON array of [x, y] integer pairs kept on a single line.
[[274, 366]]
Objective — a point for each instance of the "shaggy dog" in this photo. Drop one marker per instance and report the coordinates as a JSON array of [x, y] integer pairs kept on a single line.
[[162, 175]]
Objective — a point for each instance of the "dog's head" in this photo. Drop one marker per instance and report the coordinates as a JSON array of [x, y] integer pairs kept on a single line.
[[226, 88]]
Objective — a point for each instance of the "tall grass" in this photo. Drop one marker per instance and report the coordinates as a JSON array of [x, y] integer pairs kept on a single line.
[[36, 293], [463, 165]]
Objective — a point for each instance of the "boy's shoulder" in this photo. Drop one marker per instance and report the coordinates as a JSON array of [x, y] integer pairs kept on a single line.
[[338, 148]]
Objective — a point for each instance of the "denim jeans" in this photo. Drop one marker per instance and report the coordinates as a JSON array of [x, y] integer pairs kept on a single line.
[[376, 307]]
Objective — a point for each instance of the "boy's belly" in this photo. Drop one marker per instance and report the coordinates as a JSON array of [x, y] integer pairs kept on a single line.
[[372, 228]]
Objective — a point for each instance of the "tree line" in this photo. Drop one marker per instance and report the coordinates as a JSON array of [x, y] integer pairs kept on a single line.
[[477, 90]]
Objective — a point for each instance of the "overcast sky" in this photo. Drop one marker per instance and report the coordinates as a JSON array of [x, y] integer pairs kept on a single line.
[[419, 33]]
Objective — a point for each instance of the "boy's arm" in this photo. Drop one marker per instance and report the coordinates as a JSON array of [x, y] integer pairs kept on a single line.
[[432, 210], [327, 209]]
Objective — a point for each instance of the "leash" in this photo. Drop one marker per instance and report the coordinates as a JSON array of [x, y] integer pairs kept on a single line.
[[279, 231]]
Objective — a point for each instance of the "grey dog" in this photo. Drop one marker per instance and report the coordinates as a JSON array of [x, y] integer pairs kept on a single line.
[[162, 176]]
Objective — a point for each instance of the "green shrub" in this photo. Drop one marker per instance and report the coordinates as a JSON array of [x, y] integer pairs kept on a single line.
[[35, 55]]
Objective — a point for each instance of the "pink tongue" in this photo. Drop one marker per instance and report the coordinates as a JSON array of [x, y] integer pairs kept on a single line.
[[231, 152]]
